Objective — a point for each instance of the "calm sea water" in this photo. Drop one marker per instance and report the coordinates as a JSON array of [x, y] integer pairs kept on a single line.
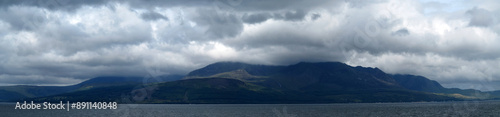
[[470, 108]]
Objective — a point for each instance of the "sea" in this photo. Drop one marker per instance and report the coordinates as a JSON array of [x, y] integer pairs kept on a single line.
[[413, 109]]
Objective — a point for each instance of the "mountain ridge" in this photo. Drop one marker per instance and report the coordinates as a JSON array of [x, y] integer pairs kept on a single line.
[[304, 82], [302, 72]]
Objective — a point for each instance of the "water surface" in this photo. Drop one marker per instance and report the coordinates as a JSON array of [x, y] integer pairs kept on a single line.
[[469, 108]]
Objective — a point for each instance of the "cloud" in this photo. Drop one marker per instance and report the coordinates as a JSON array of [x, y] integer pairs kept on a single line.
[[296, 15], [20, 18], [151, 15], [219, 24], [63, 42], [65, 5], [35, 80], [401, 32], [315, 16], [256, 18], [480, 17]]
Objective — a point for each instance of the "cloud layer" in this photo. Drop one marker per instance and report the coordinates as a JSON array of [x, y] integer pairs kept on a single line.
[[64, 42]]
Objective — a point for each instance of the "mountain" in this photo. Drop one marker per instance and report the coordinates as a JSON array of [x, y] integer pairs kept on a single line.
[[119, 80], [233, 91], [234, 82], [105, 81], [323, 75], [9, 95], [25, 91], [210, 90], [420, 83], [495, 94], [235, 70], [329, 75]]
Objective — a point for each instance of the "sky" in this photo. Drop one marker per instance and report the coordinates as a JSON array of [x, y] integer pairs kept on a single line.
[[58, 42]]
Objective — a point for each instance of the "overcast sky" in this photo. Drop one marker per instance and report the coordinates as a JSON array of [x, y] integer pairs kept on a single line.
[[56, 42]]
